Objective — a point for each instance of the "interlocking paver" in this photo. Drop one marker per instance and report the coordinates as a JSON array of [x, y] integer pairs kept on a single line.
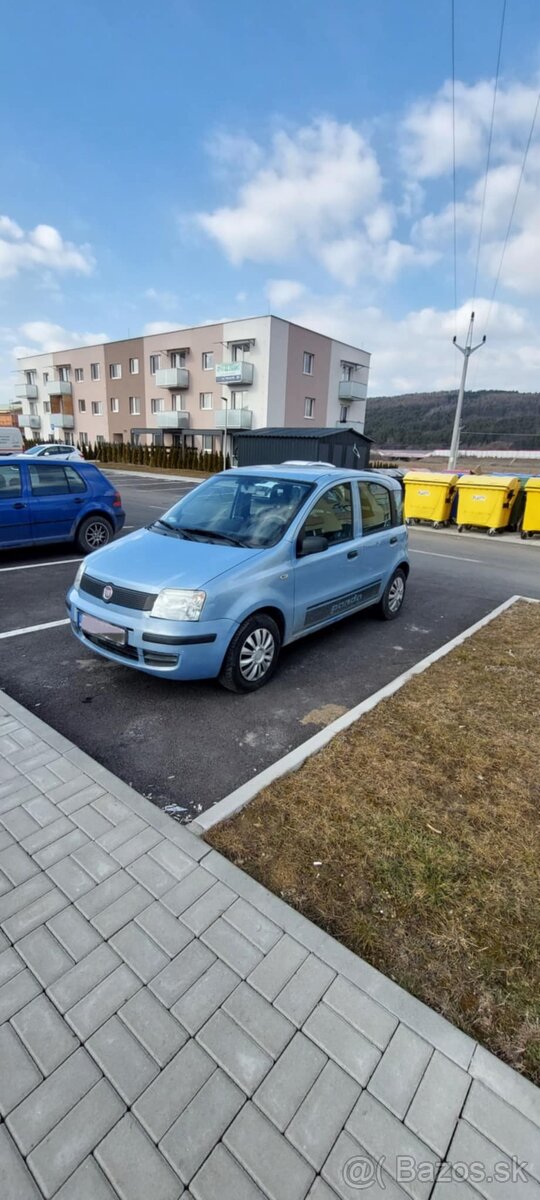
[[74, 933], [169, 933], [288, 1083], [320, 1191], [19, 823], [221, 1175], [35, 914], [263, 1022], [10, 964], [207, 908], [18, 1073], [278, 967], [38, 1114], [43, 954], [44, 1033], [400, 1070], [76, 1135], [232, 947], [71, 787], [257, 928], [351, 1170], [48, 834], [203, 1122], [23, 895], [151, 875], [139, 951], [111, 808], [94, 1009], [122, 1059], [181, 973], [321, 1116], [87, 1183], [514, 1088], [503, 1125], [91, 821], [239, 1055], [95, 861], [121, 833], [134, 1166], [382, 1135], [340, 1041], [375, 1022], [17, 992], [161, 1104], [132, 902], [438, 1102], [305, 989], [207, 994], [188, 891], [42, 810], [153, 1025], [267, 1156], [104, 894], [17, 1182], [52, 852], [138, 844], [17, 864], [171, 858], [71, 878], [468, 1146], [84, 976]]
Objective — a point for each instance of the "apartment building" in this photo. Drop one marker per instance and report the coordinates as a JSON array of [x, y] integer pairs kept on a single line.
[[193, 386]]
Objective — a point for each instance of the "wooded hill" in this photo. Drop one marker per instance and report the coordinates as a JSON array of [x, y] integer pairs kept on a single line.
[[423, 420]]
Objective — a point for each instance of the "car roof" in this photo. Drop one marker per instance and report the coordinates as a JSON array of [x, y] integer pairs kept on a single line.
[[27, 459], [314, 473]]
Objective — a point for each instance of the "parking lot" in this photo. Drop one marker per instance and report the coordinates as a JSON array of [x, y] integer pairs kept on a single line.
[[190, 744]]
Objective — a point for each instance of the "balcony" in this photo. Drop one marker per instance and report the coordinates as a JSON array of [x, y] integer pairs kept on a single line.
[[237, 418], [234, 373], [29, 421], [62, 420], [351, 389], [58, 387], [172, 420], [172, 377], [26, 391]]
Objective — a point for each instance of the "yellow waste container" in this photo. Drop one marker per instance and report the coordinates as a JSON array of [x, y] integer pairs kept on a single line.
[[429, 496], [531, 516], [486, 501]]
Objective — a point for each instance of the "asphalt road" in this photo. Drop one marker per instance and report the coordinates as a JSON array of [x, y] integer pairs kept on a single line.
[[190, 744]]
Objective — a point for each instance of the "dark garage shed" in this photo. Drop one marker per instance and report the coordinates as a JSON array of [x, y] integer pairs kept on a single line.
[[341, 445]]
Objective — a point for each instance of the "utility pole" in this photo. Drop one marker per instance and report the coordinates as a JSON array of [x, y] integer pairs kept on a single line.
[[466, 351]]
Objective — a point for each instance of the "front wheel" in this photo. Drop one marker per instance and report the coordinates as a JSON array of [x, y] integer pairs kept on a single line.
[[93, 533], [252, 656], [393, 596]]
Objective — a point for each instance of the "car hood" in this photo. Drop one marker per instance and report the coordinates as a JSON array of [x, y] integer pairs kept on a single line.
[[152, 561]]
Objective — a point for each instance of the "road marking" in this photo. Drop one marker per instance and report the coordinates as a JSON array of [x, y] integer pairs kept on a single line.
[[34, 628], [56, 562], [457, 557]]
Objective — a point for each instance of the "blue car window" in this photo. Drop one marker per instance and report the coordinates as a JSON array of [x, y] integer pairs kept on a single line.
[[75, 481], [48, 480], [376, 507], [246, 510], [10, 482], [331, 516]]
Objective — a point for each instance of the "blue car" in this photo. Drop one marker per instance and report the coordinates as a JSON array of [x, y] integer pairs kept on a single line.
[[249, 561], [43, 500]]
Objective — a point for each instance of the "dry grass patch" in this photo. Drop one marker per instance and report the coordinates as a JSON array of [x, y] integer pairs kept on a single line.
[[424, 818]]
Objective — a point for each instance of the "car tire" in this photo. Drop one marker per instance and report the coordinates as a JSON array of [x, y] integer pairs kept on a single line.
[[391, 603], [93, 533], [252, 656]]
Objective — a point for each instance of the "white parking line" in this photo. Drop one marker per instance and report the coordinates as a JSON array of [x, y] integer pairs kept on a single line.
[[433, 554], [34, 628], [56, 562]]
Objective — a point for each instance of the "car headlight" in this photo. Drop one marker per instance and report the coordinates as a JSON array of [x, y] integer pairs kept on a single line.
[[175, 604], [79, 575]]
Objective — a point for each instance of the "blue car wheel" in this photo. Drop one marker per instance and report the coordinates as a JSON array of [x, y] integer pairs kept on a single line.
[[252, 656]]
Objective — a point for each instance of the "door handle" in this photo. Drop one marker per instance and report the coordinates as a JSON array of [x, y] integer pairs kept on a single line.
[[393, 541], [77, 500], [19, 504], [352, 554]]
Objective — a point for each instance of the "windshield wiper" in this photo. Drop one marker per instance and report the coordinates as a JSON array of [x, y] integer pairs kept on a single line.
[[215, 533], [167, 525]]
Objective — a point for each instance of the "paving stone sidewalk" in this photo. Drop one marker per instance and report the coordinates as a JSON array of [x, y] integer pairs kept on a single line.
[[169, 1029]]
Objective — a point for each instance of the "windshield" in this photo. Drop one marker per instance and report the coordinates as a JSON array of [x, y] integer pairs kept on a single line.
[[34, 450], [239, 510]]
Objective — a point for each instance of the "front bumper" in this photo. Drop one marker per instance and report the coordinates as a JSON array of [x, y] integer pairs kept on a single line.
[[175, 649]]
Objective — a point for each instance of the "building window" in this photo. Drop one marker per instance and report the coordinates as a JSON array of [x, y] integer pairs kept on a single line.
[[79, 375], [207, 443], [115, 371], [45, 376], [134, 406], [237, 400], [207, 360], [309, 359], [46, 406], [206, 400], [115, 404], [134, 366], [178, 358], [176, 403], [118, 439], [309, 407], [95, 371], [63, 374], [346, 372], [155, 363], [30, 377], [156, 406], [239, 351], [82, 405], [343, 413], [83, 439], [33, 408], [97, 408], [100, 439]]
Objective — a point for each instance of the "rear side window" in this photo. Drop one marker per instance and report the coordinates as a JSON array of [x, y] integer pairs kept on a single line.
[[75, 481], [10, 482], [376, 504], [50, 480]]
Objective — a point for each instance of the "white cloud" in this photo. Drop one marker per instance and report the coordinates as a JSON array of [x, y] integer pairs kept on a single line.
[[234, 155], [282, 292], [38, 337], [43, 246]]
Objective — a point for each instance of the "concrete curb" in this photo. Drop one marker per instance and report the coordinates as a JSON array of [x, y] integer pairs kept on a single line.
[[241, 796], [508, 539]]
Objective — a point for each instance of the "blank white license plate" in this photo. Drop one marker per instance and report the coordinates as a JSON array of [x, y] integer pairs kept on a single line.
[[102, 629]]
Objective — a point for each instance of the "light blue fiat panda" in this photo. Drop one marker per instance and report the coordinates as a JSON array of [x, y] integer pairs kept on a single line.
[[248, 561]]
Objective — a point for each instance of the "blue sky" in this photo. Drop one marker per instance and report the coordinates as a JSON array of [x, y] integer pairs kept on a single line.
[[182, 161]]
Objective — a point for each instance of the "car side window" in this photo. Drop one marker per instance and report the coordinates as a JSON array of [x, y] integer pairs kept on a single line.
[[75, 481], [331, 516], [376, 505], [48, 480], [10, 482]]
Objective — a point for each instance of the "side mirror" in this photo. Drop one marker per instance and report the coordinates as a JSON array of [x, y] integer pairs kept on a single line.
[[314, 544]]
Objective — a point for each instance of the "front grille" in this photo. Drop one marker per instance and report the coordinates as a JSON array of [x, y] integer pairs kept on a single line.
[[123, 651], [123, 597], [155, 658]]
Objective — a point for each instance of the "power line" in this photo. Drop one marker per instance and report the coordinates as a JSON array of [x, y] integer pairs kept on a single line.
[[490, 140], [513, 209], [453, 38]]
